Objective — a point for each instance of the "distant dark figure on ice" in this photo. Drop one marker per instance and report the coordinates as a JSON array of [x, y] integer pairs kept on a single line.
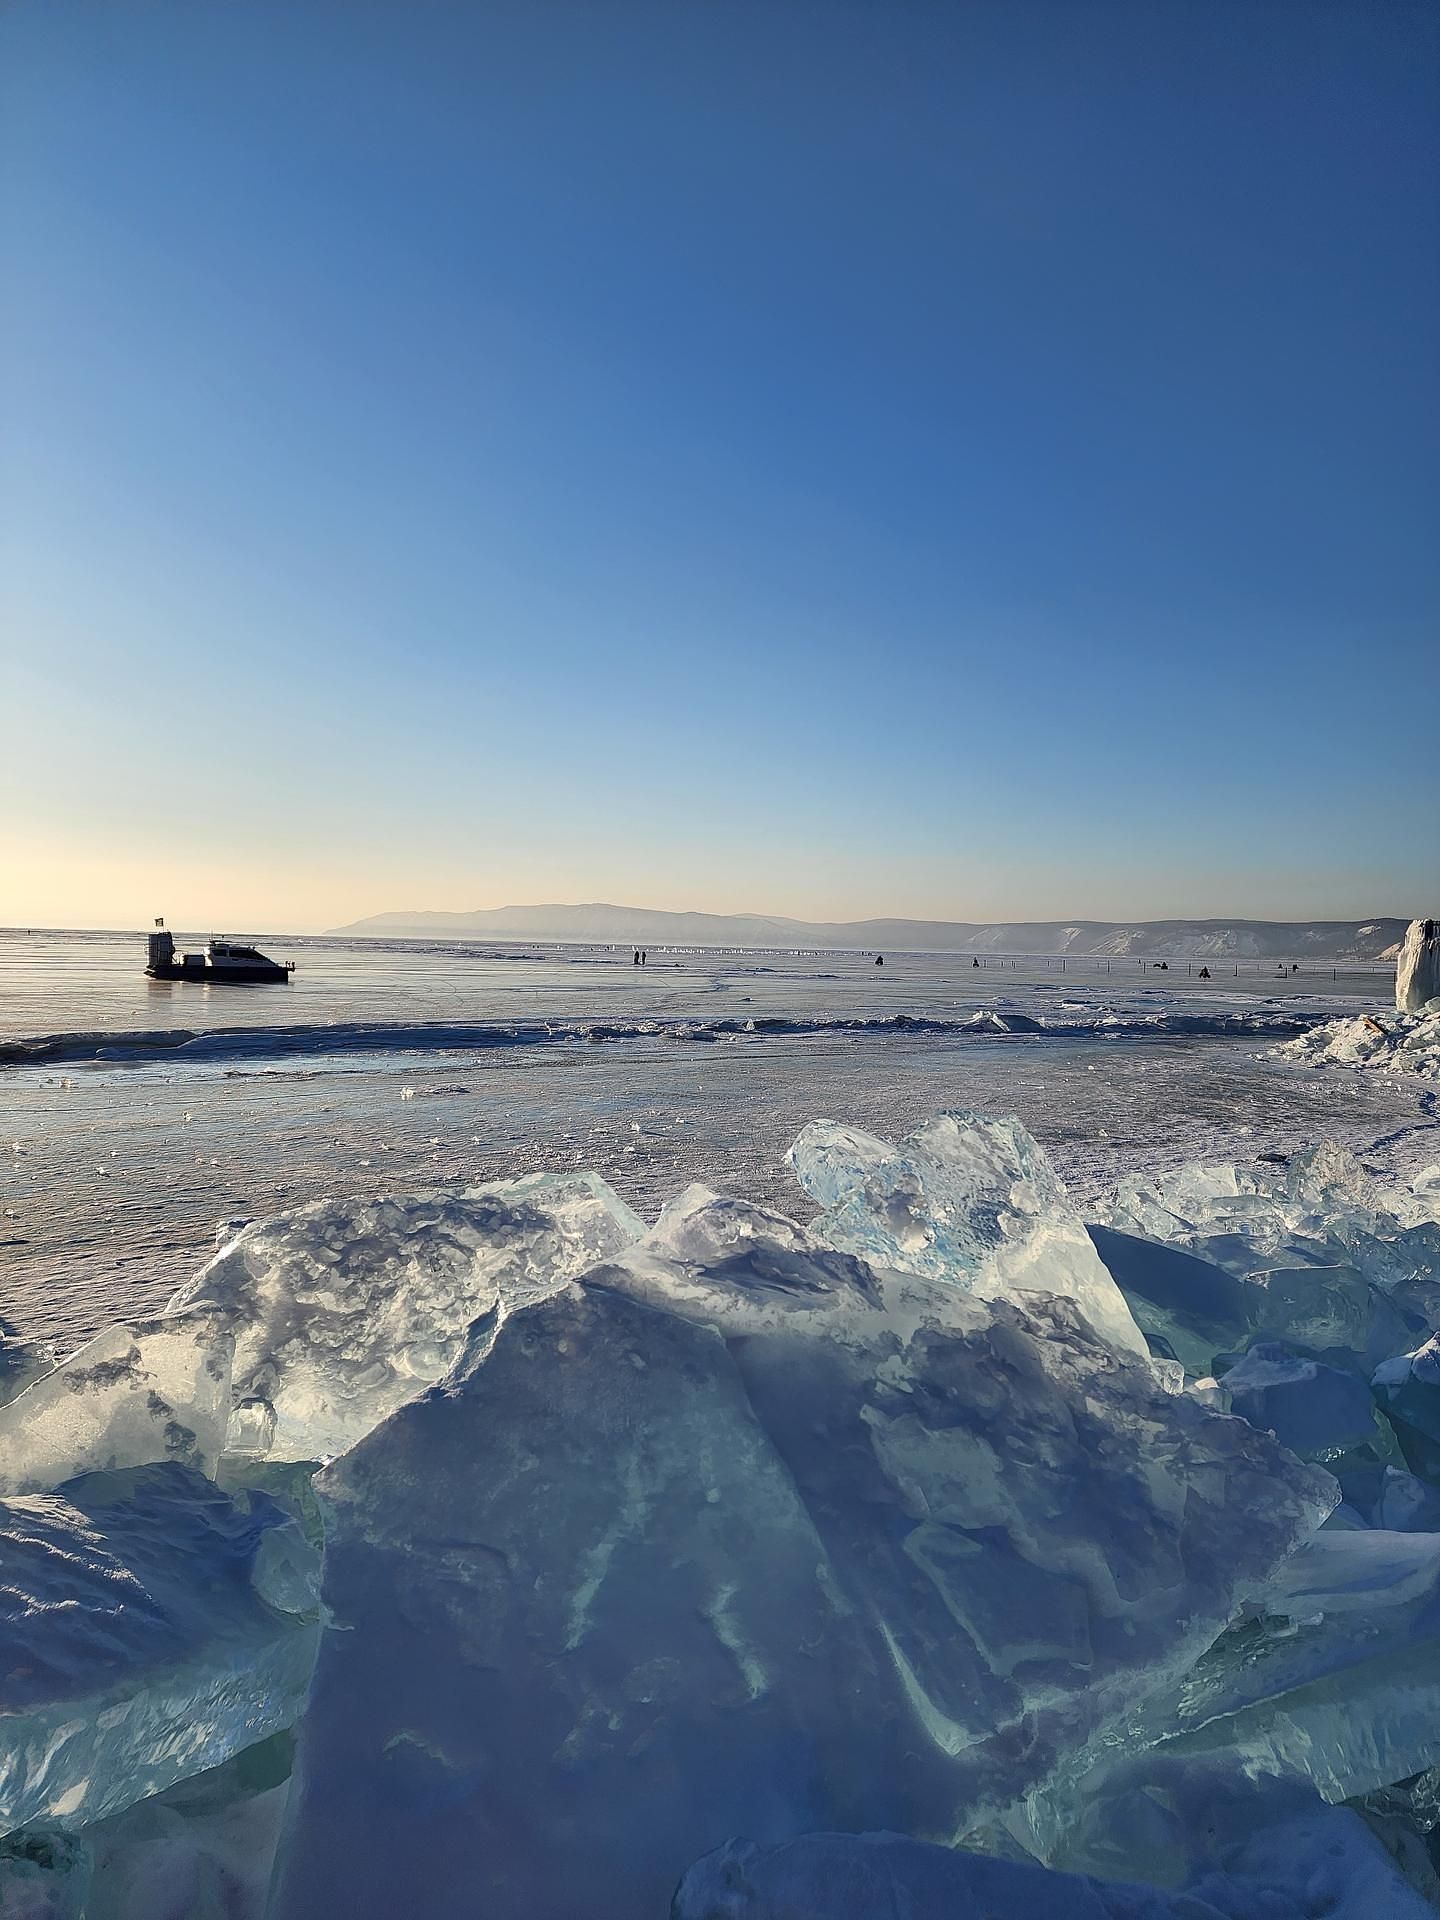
[[1204, 973], [636, 961], [879, 959]]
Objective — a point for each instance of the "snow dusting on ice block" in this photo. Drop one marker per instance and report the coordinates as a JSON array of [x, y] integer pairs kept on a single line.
[[150, 1391], [344, 1309], [148, 1630], [739, 1535], [967, 1199]]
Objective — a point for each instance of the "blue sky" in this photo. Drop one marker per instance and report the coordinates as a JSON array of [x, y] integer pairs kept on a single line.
[[974, 460]]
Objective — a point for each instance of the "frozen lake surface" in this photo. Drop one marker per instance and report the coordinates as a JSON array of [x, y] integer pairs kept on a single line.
[[135, 1114]]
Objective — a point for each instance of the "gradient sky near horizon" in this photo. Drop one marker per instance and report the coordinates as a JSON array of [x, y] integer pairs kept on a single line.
[[972, 460]]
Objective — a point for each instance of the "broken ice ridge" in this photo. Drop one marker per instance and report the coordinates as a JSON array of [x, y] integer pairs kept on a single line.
[[747, 1557]]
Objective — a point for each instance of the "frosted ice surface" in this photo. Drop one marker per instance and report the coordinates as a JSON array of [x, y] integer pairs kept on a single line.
[[148, 1391], [1417, 970], [139, 1638], [44, 1875], [1326, 1863], [1317, 1411], [344, 1309], [202, 1850], [158, 1860], [739, 1535], [859, 1876], [966, 1199], [1329, 1864]]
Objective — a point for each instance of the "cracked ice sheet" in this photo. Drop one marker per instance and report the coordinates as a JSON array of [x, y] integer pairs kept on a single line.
[[148, 1629], [738, 1534], [343, 1310]]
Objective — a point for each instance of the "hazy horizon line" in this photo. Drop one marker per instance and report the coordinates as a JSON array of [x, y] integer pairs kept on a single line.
[[917, 919]]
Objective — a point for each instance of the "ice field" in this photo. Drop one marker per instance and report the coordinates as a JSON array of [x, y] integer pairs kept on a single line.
[[753, 1439], [134, 1115]]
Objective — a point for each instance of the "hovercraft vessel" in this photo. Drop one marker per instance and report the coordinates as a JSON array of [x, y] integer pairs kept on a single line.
[[221, 962]]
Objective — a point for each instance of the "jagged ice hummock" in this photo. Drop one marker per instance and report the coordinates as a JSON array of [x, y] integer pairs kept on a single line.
[[945, 1550]]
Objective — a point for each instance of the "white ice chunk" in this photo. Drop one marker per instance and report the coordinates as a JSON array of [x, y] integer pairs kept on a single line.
[[135, 1647], [741, 1535], [966, 1199], [343, 1310], [148, 1391], [1417, 970]]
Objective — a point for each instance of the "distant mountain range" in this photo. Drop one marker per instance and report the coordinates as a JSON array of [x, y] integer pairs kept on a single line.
[[600, 924]]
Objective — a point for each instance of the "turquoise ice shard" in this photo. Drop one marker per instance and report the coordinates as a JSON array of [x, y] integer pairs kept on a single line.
[[1408, 1388], [738, 1534], [1333, 1677], [1317, 1411], [147, 1631], [965, 1198], [344, 1309], [144, 1392]]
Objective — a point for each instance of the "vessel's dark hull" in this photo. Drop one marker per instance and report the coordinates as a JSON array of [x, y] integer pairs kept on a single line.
[[221, 976]]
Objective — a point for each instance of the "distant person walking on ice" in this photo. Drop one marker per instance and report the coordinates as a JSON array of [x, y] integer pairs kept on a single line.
[[636, 961]]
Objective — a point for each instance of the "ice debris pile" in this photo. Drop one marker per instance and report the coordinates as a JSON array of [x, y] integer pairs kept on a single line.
[[1407, 1041], [1396, 1043], [491, 1551]]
